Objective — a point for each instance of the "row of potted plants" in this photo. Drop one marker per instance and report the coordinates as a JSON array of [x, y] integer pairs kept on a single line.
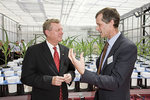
[[143, 49], [92, 45], [6, 50]]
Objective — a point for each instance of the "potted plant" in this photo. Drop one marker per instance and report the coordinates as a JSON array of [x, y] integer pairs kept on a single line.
[[91, 46], [143, 50], [69, 42], [5, 48], [100, 45], [25, 46], [81, 46]]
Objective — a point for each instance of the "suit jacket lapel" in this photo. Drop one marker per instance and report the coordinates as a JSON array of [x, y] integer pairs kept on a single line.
[[48, 57], [113, 49]]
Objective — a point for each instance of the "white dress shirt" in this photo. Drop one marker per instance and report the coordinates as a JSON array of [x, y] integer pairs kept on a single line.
[[52, 50], [111, 43]]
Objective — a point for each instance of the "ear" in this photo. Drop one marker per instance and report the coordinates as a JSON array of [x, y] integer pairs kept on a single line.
[[46, 32], [112, 22]]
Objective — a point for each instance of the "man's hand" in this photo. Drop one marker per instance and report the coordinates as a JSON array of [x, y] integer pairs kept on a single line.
[[79, 64], [57, 80], [68, 78]]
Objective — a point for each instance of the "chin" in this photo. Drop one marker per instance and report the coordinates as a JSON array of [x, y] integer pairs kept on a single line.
[[102, 35], [60, 40]]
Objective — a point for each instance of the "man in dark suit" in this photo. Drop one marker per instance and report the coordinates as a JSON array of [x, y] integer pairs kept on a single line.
[[113, 78], [39, 65]]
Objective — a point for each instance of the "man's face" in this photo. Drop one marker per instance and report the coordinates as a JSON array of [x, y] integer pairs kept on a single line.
[[22, 41], [56, 33], [17, 43], [102, 27]]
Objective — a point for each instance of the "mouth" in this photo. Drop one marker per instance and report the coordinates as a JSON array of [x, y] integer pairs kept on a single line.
[[100, 32]]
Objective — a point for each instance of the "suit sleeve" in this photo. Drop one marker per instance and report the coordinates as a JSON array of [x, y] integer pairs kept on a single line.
[[122, 69]]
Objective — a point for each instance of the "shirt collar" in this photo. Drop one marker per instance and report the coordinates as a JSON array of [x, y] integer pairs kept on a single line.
[[51, 46], [113, 39]]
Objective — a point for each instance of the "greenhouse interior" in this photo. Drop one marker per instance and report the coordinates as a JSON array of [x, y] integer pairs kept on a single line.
[[21, 27]]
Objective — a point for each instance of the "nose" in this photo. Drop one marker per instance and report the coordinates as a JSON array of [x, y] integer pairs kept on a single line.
[[61, 32]]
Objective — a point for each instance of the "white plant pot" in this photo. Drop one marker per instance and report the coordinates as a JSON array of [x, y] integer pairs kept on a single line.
[[9, 73], [1, 79], [27, 88], [134, 82], [12, 88]]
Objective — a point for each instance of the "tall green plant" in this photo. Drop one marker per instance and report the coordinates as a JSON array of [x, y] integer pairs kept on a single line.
[[5, 47], [81, 46], [100, 46], [25, 46], [144, 48], [69, 42], [90, 46]]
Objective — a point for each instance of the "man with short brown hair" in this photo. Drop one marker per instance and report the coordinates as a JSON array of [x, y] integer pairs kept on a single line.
[[46, 66], [116, 62]]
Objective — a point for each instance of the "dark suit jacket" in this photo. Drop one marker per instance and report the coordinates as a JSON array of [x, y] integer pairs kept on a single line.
[[39, 68], [114, 79]]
